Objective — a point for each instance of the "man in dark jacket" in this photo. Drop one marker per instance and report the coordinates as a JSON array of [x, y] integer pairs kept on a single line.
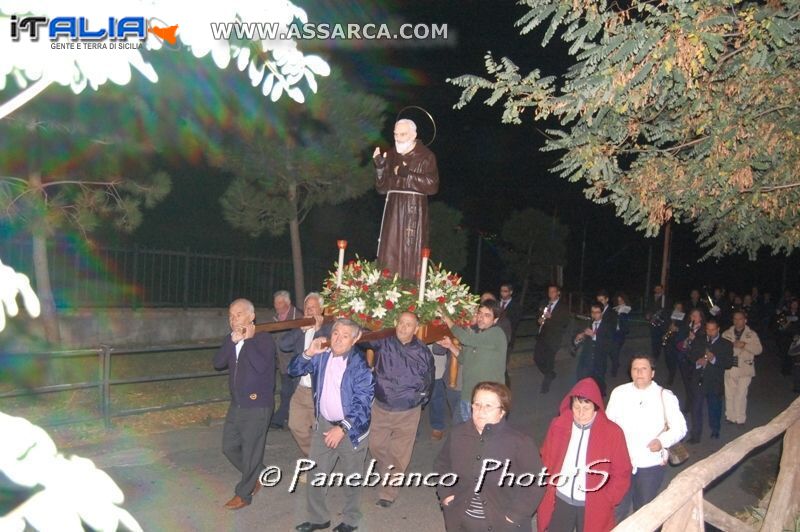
[[343, 390], [404, 372], [284, 311], [657, 316], [552, 324], [250, 361], [712, 355], [596, 341]]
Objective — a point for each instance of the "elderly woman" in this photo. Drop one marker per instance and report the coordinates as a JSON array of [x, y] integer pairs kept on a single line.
[[587, 456], [477, 453]]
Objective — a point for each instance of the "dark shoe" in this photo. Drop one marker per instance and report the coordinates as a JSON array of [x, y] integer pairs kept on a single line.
[[311, 527], [384, 503], [276, 426], [730, 422], [344, 528], [715, 435], [237, 503], [545, 386], [548, 379]]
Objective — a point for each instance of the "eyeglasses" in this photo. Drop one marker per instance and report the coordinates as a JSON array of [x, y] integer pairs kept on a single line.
[[487, 408]]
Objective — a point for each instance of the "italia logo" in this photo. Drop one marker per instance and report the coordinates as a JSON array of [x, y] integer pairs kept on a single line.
[[79, 29]]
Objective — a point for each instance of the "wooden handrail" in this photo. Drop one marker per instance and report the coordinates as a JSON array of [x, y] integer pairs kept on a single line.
[[695, 478]]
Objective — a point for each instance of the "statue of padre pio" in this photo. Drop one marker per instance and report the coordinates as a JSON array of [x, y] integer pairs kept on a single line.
[[407, 174]]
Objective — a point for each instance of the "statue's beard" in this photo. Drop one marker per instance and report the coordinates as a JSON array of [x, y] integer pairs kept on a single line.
[[404, 147]]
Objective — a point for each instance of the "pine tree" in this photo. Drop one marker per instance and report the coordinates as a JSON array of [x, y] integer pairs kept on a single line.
[[535, 242], [66, 163], [318, 156]]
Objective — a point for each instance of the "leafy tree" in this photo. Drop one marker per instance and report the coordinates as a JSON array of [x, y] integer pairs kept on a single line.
[[673, 110], [66, 163], [448, 241], [535, 242], [319, 157]]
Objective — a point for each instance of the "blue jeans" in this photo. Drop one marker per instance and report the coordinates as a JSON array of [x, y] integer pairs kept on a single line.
[[437, 404], [645, 485], [454, 402], [465, 411]]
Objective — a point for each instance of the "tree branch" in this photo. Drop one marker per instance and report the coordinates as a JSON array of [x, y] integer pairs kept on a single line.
[[23, 97], [771, 110], [772, 189], [686, 144], [81, 183]]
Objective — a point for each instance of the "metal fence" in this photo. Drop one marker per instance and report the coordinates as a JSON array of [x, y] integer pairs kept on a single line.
[[91, 276], [104, 382]]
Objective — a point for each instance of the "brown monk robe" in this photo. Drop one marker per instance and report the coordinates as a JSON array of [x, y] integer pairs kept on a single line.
[[407, 174]]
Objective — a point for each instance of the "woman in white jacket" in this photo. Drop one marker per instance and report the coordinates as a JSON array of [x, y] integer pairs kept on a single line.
[[651, 419], [746, 346]]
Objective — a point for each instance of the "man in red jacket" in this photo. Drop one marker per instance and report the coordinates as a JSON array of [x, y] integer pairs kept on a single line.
[[588, 453]]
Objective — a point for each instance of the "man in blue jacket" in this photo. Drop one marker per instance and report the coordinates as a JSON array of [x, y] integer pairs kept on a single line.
[[250, 361], [404, 372], [343, 389]]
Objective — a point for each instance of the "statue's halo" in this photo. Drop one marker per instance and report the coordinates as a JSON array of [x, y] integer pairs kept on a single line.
[[433, 122]]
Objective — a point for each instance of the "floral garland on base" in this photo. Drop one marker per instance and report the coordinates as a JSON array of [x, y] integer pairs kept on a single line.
[[374, 297]]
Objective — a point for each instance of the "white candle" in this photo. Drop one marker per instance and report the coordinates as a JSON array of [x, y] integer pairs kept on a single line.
[[426, 252], [342, 244]]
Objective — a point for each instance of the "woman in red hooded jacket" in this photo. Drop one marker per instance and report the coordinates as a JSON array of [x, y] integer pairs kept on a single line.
[[586, 456]]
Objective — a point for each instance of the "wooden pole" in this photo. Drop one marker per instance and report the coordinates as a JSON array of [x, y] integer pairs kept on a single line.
[[583, 256], [646, 299], [784, 504], [478, 263], [689, 517], [665, 257]]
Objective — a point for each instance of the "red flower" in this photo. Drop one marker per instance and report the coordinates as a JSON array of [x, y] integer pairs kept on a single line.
[[437, 321], [389, 305], [362, 316], [365, 287], [440, 299], [414, 291], [386, 273], [356, 267], [412, 308]]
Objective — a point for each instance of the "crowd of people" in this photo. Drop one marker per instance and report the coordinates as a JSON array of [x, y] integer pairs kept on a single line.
[[609, 457]]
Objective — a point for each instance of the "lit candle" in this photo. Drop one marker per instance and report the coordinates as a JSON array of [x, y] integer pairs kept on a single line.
[[426, 252], [342, 244]]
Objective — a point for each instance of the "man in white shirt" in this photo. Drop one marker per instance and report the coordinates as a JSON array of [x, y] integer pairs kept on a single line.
[[301, 406], [651, 419]]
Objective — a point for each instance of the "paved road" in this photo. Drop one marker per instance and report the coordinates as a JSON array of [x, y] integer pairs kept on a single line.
[[180, 480]]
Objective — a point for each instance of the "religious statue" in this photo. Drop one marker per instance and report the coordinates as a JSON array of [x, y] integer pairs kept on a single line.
[[407, 174]]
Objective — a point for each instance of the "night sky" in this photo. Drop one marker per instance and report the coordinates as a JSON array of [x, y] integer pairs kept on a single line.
[[487, 169]]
